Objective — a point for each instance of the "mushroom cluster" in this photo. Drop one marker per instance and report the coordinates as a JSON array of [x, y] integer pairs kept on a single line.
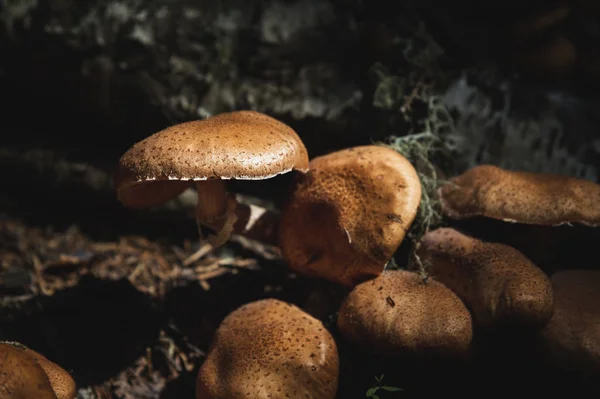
[[538, 216], [343, 220]]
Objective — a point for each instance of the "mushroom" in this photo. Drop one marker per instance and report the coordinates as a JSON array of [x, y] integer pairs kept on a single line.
[[242, 145], [349, 214], [399, 313], [269, 349], [572, 337], [498, 283], [523, 197], [547, 217], [26, 374]]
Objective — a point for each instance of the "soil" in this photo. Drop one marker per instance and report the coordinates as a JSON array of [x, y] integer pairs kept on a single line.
[[130, 309]]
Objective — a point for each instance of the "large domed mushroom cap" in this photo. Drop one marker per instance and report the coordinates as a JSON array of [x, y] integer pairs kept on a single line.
[[270, 349], [243, 145], [350, 213], [398, 313]]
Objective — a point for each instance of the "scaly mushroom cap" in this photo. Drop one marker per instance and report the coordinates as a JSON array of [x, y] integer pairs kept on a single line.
[[25, 374], [270, 349], [522, 197], [497, 282], [349, 214], [63, 384], [243, 145], [572, 337], [398, 312]]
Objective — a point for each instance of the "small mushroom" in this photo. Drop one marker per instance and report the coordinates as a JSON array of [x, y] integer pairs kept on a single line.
[[572, 337], [498, 283], [26, 374], [349, 214], [269, 349], [242, 145], [399, 313]]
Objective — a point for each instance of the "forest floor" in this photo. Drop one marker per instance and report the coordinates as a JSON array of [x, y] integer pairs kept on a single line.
[[133, 316]]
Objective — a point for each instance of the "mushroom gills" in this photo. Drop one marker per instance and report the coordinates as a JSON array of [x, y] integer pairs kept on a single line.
[[215, 210]]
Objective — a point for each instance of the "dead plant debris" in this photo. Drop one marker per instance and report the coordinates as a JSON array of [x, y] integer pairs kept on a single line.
[[36, 261]]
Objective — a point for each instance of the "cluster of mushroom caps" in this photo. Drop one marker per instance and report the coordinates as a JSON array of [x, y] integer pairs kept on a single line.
[[344, 219]]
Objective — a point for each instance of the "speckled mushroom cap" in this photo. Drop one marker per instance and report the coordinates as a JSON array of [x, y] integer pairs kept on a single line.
[[349, 214], [269, 349], [522, 197], [498, 283], [25, 374], [243, 145], [62, 383], [572, 337], [398, 313]]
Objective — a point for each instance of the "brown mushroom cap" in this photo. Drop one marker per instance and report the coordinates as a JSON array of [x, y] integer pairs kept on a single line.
[[270, 349], [243, 145], [25, 374], [497, 282], [349, 214], [63, 384], [522, 197], [572, 337], [398, 312]]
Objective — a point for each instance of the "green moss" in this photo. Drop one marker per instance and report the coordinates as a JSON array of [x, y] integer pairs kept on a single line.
[[420, 149]]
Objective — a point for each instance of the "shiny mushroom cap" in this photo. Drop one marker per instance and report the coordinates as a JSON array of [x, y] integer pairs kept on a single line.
[[243, 145], [26, 374], [521, 197], [572, 337], [349, 214], [270, 349], [497, 282], [398, 312]]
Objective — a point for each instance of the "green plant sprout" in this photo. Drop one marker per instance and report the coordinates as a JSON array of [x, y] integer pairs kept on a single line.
[[371, 392]]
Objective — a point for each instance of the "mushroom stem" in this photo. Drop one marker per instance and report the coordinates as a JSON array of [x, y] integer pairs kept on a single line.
[[254, 222], [257, 223], [215, 209]]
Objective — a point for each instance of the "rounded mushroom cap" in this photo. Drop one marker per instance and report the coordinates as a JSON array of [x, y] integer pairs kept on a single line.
[[268, 349], [349, 214], [521, 197], [572, 337], [24, 375], [498, 283], [243, 145], [398, 312]]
